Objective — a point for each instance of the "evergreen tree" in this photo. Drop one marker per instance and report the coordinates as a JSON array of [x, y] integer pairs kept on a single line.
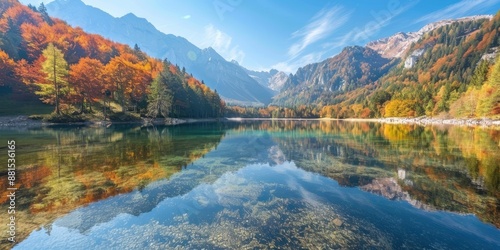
[[159, 99], [12, 40], [138, 52], [32, 7], [480, 74], [43, 11]]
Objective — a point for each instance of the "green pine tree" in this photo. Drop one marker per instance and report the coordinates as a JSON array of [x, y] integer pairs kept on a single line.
[[159, 99], [480, 74], [43, 11]]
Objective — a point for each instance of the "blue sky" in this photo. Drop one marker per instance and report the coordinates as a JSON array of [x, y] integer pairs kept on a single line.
[[287, 34]]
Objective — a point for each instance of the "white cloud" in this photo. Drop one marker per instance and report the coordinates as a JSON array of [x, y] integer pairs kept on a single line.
[[222, 43], [459, 9], [186, 17], [321, 25]]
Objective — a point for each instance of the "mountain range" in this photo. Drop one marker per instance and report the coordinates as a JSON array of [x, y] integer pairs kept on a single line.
[[429, 68], [231, 81]]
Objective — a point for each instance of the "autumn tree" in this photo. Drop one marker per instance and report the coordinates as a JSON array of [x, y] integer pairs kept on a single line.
[[119, 74], [6, 69], [400, 108], [56, 69], [139, 85], [35, 37], [489, 97], [87, 78], [30, 74]]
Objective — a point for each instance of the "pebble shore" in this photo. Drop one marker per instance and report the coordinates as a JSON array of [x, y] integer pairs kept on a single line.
[[439, 121], [24, 122]]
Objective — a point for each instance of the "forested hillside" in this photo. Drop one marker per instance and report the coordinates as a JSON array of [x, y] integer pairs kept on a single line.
[[449, 71], [80, 73]]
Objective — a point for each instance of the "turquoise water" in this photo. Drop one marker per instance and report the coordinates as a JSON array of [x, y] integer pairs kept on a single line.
[[259, 185]]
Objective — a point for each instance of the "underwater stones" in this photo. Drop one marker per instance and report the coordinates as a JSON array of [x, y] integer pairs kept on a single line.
[[337, 222]]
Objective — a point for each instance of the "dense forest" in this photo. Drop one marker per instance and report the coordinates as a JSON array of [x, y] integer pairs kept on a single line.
[[85, 74]]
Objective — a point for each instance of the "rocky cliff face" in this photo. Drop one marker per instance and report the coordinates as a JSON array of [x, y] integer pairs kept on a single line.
[[399, 44], [277, 81], [272, 79], [353, 67], [394, 46]]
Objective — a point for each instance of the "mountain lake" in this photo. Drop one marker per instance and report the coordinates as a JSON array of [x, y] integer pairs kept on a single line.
[[253, 185]]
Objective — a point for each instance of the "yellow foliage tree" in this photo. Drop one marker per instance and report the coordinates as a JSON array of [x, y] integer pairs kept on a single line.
[[400, 108]]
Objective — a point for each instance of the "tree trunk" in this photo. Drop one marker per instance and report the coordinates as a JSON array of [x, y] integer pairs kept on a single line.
[[58, 112], [56, 86], [82, 108]]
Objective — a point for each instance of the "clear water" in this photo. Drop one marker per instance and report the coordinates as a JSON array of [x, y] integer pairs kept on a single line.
[[286, 184]]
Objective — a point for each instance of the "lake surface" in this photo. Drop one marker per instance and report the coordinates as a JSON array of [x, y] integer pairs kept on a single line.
[[268, 184]]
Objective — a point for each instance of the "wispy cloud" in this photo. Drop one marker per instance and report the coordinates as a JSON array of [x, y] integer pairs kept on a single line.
[[291, 65], [326, 22], [186, 17], [365, 33], [222, 43], [320, 26], [459, 9]]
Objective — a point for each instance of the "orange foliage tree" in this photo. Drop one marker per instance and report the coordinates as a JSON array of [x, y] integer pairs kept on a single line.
[[6, 69], [87, 78]]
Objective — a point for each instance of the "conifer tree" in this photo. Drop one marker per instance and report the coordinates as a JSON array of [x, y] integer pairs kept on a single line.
[[480, 74], [56, 70], [159, 99]]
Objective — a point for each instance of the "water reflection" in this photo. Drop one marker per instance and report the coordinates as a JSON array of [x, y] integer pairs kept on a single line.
[[455, 169], [252, 184], [259, 206], [63, 168]]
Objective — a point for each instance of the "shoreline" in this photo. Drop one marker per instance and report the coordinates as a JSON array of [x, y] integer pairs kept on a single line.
[[422, 121], [23, 121], [427, 121]]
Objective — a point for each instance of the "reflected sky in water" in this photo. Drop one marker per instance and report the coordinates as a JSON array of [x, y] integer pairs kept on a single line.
[[263, 206]]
